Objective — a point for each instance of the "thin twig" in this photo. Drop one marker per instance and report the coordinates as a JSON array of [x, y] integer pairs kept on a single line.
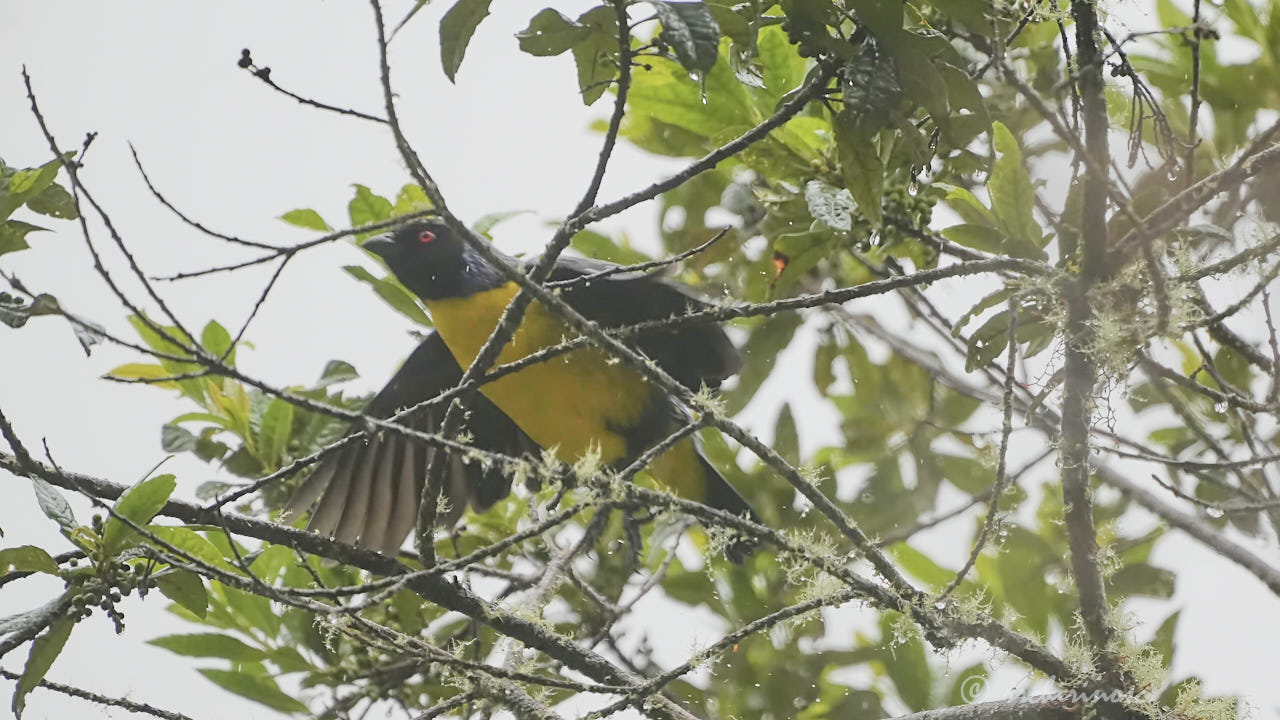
[[1193, 115], [998, 487], [262, 298], [183, 217], [122, 703], [638, 267], [264, 74]]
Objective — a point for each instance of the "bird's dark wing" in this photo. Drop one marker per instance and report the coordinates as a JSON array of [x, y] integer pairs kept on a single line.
[[693, 354], [368, 491]]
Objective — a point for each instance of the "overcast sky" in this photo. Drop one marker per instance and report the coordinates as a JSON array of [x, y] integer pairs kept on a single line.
[[233, 154]]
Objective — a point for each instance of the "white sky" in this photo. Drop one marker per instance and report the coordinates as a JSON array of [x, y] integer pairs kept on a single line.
[[235, 155]]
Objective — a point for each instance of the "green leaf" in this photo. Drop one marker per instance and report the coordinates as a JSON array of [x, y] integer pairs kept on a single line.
[[408, 605], [974, 15], [980, 307], [258, 688], [190, 542], [23, 185], [988, 341], [15, 314], [691, 31], [1247, 21], [551, 33], [185, 588], [27, 558], [829, 205], [306, 218], [33, 179], [1141, 579], [216, 340], [922, 566], [139, 504], [922, 82], [595, 54], [823, 364], [968, 474], [801, 252], [1021, 568], [411, 198], [336, 371], [54, 201], [968, 686], [1162, 642], [456, 28], [963, 92], [142, 371], [13, 235], [210, 645], [210, 489], [968, 206], [980, 237], [54, 506], [44, 651], [366, 207], [393, 293], [267, 566], [488, 222], [275, 431], [786, 440], [870, 90], [252, 612], [176, 439], [861, 167], [907, 665], [289, 660], [1013, 197], [594, 245], [761, 351]]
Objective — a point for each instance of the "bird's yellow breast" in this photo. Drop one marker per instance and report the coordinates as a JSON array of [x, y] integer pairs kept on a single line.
[[569, 402]]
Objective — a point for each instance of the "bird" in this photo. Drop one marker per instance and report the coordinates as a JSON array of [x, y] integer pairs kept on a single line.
[[572, 405]]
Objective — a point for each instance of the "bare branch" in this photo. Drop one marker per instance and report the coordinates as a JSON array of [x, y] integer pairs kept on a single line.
[[264, 74], [93, 697]]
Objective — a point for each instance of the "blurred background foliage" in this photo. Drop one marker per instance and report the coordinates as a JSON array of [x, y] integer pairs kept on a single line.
[[918, 143]]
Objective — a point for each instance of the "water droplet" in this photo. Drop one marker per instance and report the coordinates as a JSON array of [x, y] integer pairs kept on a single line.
[[914, 187], [701, 79], [1214, 512], [1220, 407], [940, 605]]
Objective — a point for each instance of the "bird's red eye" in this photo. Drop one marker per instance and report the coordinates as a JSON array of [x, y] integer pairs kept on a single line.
[[426, 236]]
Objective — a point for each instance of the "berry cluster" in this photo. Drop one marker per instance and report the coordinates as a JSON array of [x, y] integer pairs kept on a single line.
[[108, 584], [104, 584], [908, 205]]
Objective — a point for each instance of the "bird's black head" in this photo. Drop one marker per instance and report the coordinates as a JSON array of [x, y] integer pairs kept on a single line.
[[433, 262]]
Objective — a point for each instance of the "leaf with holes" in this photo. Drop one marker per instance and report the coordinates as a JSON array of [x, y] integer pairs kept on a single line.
[[551, 33]]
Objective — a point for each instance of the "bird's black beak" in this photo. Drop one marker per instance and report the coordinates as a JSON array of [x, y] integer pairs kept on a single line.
[[381, 245]]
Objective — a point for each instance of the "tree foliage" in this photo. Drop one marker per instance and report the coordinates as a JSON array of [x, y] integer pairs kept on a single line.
[[876, 159]]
